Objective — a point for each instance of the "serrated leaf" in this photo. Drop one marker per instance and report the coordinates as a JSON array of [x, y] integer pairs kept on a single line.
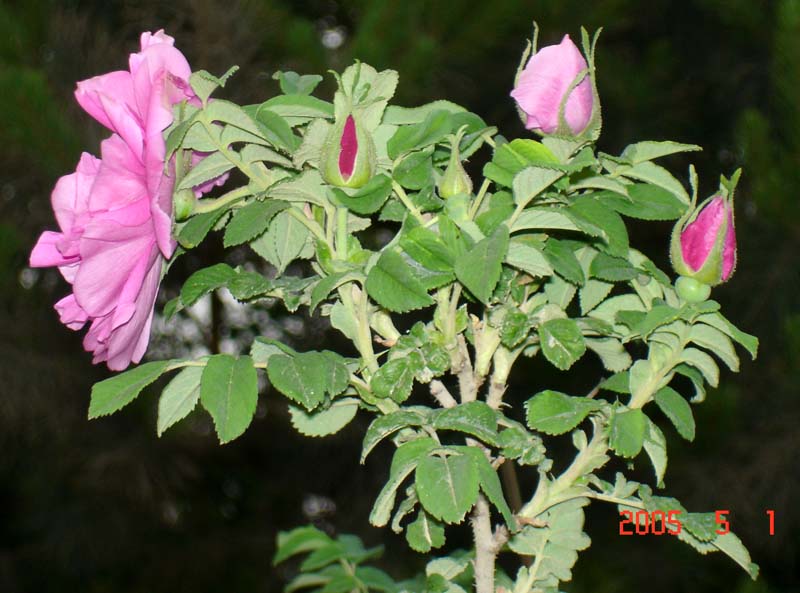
[[651, 173], [716, 342], [649, 150], [479, 269], [179, 397], [298, 541], [367, 199], [247, 285], [325, 422], [298, 109], [528, 258], [677, 410], [593, 293], [427, 248], [553, 412], [405, 460], [645, 201], [112, 394], [612, 269], [474, 418], [204, 281], [383, 426], [308, 376], [543, 218], [447, 486], [702, 362], [611, 352], [718, 321], [252, 220], [424, 533], [197, 227], [490, 485], [512, 157], [395, 379], [656, 447], [326, 285], [561, 257], [626, 432], [562, 342], [211, 167], [436, 126], [229, 392], [394, 285], [522, 446], [598, 220], [532, 181]]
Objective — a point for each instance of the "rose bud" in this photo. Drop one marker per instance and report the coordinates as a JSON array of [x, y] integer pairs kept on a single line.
[[703, 246], [543, 84], [348, 157], [455, 179]]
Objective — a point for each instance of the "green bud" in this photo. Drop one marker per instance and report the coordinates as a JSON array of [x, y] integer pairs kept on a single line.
[[691, 290], [348, 156], [183, 203], [455, 179]]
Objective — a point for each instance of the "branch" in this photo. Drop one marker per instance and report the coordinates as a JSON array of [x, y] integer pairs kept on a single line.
[[485, 547], [467, 385], [442, 395]]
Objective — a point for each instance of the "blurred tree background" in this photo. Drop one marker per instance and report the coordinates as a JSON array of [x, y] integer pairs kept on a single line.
[[106, 506]]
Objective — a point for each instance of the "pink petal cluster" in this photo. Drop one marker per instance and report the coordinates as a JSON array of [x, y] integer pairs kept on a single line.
[[115, 213], [544, 82], [700, 237]]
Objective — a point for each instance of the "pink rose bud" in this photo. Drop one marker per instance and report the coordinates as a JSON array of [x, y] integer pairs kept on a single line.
[[704, 242], [542, 85], [348, 157]]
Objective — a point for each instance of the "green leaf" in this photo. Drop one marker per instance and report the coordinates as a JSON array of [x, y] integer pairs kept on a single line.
[[424, 533], [326, 285], [490, 484], [252, 220], [204, 281], [447, 486], [627, 430], [702, 362], [677, 410], [598, 220], [474, 418], [247, 285], [179, 397], [649, 150], [564, 262], [543, 218], [593, 293], [528, 258], [612, 269], [197, 227], [553, 412], [229, 391], [716, 342], [307, 377], [405, 460], [401, 116], [395, 379], [479, 269], [427, 248], [298, 541], [657, 175], [367, 199], [293, 83], [415, 171], [298, 109], [211, 167], [383, 426], [732, 546], [646, 202], [562, 342], [718, 321], [611, 351], [204, 83], [325, 422], [522, 446], [618, 383], [512, 157], [117, 392], [435, 128], [656, 447], [532, 181], [284, 241], [394, 285], [274, 128]]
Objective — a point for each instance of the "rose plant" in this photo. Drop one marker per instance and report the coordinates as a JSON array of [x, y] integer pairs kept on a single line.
[[469, 286]]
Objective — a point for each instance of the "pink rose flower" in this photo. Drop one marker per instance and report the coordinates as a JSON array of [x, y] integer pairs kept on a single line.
[[115, 213], [543, 83]]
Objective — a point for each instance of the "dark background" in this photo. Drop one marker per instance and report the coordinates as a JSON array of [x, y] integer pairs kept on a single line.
[[106, 506]]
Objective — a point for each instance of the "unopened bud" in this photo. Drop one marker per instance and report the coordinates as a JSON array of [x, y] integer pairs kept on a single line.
[[348, 157]]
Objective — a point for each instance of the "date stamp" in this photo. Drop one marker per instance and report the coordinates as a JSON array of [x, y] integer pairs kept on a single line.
[[660, 522]]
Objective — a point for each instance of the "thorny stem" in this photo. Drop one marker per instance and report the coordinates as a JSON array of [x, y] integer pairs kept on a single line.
[[485, 547]]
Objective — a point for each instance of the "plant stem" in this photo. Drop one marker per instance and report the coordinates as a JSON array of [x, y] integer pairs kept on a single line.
[[235, 195], [401, 194], [485, 549]]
